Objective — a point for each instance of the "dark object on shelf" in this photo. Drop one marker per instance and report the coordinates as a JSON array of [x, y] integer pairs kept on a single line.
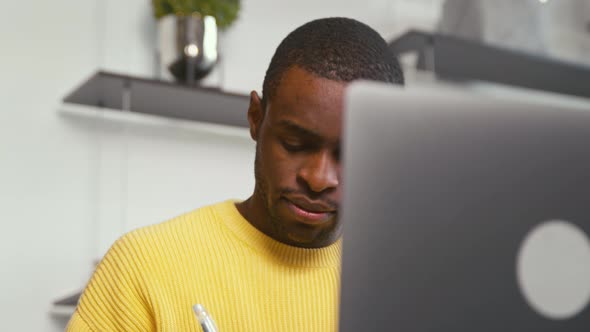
[[65, 307], [71, 300], [184, 66], [452, 58], [154, 97], [187, 46]]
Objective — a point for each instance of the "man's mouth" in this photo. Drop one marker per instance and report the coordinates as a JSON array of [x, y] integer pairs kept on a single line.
[[310, 212]]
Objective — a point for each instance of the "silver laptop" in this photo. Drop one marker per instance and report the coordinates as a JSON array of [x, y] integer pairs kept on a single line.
[[464, 213]]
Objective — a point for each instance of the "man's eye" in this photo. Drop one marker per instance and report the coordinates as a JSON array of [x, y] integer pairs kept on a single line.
[[292, 146]]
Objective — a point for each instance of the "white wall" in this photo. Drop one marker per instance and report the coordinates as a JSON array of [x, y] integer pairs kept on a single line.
[[568, 33], [150, 171], [551, 28], [69, 185], [45, 177]]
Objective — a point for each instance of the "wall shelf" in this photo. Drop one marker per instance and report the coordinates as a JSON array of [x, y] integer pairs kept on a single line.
[[66, 306], [457, 59], [161, 98]]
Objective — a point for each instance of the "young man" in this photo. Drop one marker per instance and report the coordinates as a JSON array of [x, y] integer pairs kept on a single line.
[[271, 262]]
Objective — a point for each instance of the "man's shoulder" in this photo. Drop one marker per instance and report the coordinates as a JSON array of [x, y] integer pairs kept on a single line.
[[189, 226]]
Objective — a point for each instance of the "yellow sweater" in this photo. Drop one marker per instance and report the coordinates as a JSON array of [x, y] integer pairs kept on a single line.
[[151, 278]]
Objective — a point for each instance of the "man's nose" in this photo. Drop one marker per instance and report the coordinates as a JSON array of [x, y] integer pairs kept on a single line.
[[321, 172]]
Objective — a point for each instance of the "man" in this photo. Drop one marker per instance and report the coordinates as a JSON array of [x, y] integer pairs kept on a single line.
[[271, 262]]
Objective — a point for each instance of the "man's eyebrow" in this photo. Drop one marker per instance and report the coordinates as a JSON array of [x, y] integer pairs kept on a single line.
[[295, 128]]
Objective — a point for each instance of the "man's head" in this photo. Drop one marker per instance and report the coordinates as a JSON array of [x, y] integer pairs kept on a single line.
[[298, 126], [338, 49]]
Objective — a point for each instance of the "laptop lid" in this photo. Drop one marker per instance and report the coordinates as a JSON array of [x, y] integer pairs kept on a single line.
[[464, 213]]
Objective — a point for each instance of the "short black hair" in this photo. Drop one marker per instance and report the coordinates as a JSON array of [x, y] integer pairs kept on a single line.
[[336, 48]]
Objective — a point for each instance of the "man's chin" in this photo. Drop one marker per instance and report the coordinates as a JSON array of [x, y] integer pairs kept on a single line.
[[307, 237], [299, 233], [301, 239]]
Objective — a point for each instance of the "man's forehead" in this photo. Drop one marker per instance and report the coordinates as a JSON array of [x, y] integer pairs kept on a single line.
[[297, 78], [301, 90]]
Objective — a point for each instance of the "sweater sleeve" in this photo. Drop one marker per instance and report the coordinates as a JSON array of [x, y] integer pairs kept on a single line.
[[114, 299]]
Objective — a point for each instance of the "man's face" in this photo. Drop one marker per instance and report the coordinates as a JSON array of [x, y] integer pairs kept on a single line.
[[298, 159]]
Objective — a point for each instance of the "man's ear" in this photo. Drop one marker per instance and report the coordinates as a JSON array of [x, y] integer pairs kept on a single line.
[[255, 115]]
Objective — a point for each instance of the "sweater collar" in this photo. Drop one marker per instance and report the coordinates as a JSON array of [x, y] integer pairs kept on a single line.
[[329, 256]]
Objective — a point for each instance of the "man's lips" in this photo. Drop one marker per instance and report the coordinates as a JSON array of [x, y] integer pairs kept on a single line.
[[309, 212]]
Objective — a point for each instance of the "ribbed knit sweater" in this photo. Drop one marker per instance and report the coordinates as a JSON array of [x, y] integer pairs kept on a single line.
[[151, 277]]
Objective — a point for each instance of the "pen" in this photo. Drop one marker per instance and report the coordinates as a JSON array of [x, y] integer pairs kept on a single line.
[[205, 320]]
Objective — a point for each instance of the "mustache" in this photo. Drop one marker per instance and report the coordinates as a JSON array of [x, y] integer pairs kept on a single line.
[[313, 196]]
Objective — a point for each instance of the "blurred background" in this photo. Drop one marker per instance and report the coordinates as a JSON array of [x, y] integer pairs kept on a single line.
[[70, 183]]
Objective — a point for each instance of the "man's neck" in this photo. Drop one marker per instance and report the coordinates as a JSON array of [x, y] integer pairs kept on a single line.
[[253, 211]]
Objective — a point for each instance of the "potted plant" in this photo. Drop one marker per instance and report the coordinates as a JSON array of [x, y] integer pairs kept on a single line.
[[225, 12], [187, 32]]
